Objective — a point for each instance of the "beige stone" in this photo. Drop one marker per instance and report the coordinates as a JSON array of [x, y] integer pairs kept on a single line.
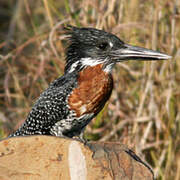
[[53, 158]]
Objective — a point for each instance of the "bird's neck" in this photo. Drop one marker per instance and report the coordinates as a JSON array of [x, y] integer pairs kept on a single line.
[[93, 90], [79, 64]]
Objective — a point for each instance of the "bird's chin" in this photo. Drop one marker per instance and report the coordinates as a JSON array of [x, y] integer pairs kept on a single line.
[[108, 67]]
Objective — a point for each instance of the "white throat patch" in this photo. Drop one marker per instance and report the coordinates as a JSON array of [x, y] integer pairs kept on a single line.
[[108, 68], [91, 62]]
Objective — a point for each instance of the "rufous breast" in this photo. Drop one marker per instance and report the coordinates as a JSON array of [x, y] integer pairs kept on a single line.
[[93, 90]]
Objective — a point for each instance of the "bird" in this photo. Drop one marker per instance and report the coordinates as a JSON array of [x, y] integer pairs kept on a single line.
[[71, 101]]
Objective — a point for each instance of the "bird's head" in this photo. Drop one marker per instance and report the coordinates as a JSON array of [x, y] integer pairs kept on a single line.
[[89, 47]]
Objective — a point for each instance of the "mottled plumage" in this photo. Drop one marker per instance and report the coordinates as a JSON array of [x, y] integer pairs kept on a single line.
[[71, 101]]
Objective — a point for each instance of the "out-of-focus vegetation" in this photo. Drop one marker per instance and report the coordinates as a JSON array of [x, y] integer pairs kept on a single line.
[[144, 109]]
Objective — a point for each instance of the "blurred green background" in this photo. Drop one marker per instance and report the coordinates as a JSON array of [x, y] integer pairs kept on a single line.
[[144, 109]]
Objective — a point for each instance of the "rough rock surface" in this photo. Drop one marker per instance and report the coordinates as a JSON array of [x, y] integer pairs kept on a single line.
[[53, 158]]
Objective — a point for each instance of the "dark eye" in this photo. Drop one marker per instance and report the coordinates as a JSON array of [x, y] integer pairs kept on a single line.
[[103, 45]]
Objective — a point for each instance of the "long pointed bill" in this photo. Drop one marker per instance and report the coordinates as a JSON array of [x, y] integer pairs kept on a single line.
[[129, 52]]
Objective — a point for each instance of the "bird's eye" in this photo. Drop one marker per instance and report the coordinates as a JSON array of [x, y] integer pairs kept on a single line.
[[103, 45]]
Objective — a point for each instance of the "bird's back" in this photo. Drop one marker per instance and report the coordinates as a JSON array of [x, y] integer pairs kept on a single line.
[[49, 108]]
